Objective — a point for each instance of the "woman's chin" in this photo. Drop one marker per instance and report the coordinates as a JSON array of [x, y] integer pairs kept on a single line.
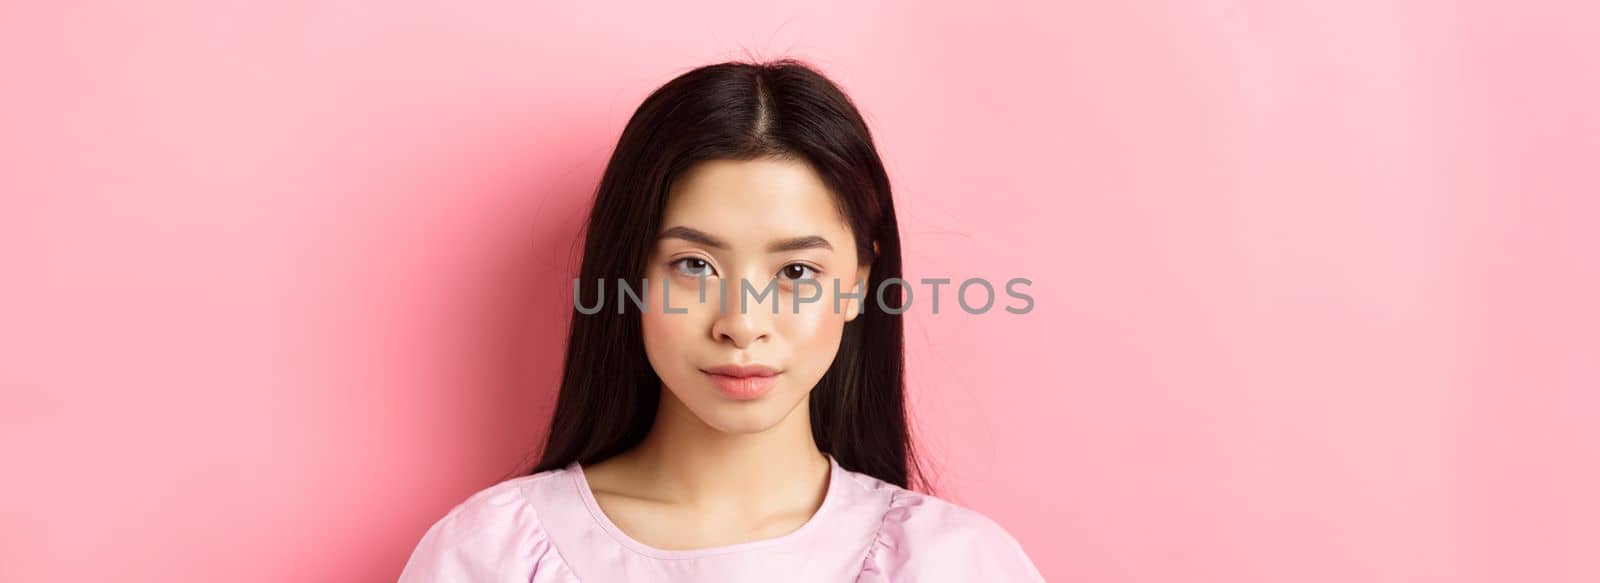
[[742, 417]]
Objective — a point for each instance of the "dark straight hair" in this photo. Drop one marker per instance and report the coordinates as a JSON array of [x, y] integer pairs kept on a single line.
[[737, 111]]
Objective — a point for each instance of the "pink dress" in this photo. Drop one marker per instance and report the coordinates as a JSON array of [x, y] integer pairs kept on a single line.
[[547, 528]]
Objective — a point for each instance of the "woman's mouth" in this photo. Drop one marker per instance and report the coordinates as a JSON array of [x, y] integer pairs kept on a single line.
[[743, 382]]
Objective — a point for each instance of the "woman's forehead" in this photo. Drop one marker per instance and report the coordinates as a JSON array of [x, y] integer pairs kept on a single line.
[[754, 201]]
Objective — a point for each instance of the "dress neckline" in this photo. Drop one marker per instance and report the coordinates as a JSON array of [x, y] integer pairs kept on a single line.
[[829, 500]]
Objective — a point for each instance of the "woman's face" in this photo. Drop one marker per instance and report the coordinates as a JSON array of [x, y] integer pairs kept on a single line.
[[738, 228]]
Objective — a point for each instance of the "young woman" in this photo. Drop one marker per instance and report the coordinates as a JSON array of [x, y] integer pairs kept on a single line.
[[737, 413]]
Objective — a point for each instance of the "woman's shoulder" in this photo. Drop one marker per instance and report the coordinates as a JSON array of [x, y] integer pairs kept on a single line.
[[925, 537], [494, 530], [506, 503]]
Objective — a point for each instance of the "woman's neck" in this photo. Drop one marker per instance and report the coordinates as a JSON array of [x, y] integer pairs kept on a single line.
[[685, 461]]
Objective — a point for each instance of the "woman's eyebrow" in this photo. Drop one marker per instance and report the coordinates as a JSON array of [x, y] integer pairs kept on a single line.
[[694, 235], [798, 243]]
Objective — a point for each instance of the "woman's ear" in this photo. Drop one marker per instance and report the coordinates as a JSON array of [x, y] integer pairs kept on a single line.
[[858, 304], [863, 275]]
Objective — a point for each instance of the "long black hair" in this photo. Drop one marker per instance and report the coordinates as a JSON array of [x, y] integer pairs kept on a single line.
[[737, 111]]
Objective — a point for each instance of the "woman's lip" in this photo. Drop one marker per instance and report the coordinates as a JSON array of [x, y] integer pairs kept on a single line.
[[742, 370], [743, 387]]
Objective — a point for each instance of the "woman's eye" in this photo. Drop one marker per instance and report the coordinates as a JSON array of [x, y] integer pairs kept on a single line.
[[794, 271], [694, 267]]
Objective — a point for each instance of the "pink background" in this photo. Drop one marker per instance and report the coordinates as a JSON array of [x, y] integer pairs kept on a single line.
[[1316, 283]]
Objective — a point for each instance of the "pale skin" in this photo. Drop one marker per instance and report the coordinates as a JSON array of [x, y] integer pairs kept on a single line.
[[713, 470]]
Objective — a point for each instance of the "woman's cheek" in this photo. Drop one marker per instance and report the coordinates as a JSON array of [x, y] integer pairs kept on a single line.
[[665, 333], [814, 332]]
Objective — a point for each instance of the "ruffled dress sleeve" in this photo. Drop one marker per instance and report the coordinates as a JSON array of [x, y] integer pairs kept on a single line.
[[493, 536], [929, 540]]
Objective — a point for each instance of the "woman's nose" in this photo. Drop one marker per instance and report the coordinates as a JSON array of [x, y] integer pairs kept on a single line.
[[745, 318]]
